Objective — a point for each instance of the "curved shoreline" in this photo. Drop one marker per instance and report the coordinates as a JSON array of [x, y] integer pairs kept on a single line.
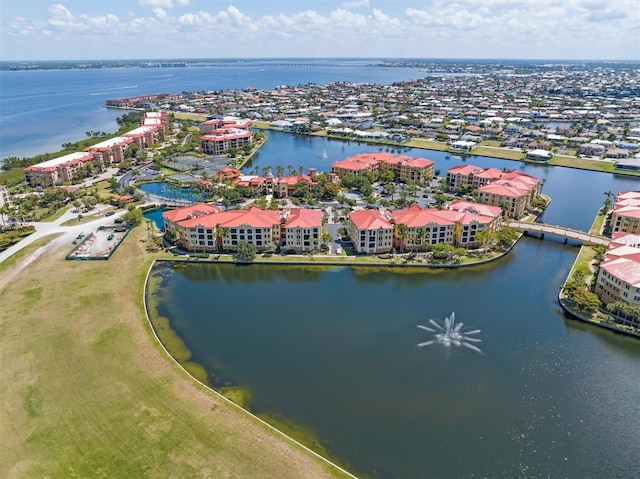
[[579, 317], [219, 395]]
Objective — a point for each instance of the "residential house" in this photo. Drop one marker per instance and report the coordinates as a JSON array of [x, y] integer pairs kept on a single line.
[[591, 149], [617, 153], [539, 154], [464, 146]]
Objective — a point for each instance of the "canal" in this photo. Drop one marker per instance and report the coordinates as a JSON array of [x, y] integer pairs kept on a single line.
[[334, 349]]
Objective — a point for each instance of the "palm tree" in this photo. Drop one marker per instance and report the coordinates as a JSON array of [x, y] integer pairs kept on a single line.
[[279, 170], [606, 204], [419, 238], [402, 231]]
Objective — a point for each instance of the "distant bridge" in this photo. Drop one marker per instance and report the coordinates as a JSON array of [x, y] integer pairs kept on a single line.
[[566, 233]]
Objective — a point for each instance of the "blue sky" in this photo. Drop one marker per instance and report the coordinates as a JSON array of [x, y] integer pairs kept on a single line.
[[123, 29]]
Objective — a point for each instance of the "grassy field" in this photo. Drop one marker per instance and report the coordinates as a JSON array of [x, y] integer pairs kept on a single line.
[[12, 177], [189, 116], [87, 392], [16, 257], [57, 214]]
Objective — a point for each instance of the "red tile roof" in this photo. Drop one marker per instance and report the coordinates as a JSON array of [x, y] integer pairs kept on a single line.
[[464, 170], [193, 211], [370, 220], [476, 208], [509, 189], [304, 218]]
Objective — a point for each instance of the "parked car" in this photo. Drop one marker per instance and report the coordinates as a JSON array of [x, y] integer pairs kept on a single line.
[[110, 213]]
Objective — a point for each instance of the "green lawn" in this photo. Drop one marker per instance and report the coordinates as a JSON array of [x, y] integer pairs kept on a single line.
[[58, 213], [16, 257], [499, 153], [583, 163], [88, 392], [12, 177]]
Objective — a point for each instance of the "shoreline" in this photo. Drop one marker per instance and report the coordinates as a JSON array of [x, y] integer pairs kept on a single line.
[[213, 390], [152, 418], [579, 316]]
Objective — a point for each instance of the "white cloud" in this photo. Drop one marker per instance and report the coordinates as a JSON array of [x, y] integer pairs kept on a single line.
[[160, 13], [59, 15], [356, 4], [158, 3], [442, 28]]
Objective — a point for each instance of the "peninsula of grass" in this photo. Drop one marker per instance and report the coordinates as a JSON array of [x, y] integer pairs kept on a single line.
[[87, 391]]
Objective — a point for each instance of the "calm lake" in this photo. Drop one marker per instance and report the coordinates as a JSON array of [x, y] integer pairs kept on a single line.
[[335, 349]]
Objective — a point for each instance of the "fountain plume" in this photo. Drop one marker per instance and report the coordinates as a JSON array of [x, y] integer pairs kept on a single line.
[[448, 333]]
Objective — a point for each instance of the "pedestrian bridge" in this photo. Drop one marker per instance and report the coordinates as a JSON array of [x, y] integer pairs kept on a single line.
[[566, 233]]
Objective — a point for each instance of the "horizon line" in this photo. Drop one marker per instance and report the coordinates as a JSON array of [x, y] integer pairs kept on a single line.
[[338, 58]]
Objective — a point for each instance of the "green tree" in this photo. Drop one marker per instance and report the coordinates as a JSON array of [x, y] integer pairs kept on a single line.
[[133, 217], [246, 252], [402, 231]]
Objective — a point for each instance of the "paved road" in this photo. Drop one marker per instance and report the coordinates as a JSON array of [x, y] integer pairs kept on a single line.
[[70, 232]]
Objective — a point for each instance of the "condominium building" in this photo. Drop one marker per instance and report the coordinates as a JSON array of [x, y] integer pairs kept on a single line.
[[625, 216], [226, 122], [406, 168], [471, 175], [57, 171], [204, 227], [457, 225], [355, 165], [302, 229], [371, 231], [618, 276], [512, 197], [110, 151], [4, 196], [145, 135], [220, 141]]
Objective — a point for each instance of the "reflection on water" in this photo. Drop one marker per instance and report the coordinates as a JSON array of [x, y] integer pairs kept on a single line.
[[334, 349]]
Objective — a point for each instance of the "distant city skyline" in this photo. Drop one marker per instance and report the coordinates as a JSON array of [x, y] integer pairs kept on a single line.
[[500, 29]]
